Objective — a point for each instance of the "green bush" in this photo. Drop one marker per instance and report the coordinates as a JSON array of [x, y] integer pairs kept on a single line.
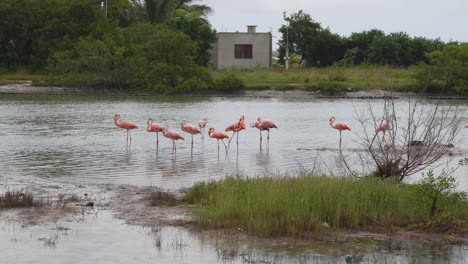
[[142, 58], [436, 196], [229, 82]]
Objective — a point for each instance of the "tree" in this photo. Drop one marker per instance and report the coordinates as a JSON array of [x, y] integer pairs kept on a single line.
[[160, 11], [199, 10], [200, 31], [362, 41], [97, 63], [447, 69], [316, 46], [410, 143], [166, 60], [30, 31], [142, 57]]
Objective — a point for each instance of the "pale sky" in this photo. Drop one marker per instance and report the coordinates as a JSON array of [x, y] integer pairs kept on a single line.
[[447, 19]]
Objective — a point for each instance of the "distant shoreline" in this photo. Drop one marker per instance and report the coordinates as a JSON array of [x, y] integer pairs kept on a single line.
[[24, 87]]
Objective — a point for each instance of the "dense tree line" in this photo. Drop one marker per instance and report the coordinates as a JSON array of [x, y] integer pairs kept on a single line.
[[317, 46], [160, 45], [445, 71]]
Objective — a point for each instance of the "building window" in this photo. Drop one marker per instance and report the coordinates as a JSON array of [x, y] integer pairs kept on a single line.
[[243, 51]]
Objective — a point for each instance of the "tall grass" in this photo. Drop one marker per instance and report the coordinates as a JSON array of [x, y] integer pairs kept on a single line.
[[357, 77], [296, 205]]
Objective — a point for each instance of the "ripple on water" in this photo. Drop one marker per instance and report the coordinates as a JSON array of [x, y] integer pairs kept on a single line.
[[73, 139]]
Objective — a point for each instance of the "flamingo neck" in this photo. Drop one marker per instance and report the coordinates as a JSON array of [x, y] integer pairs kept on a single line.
[[150, 122], [116, 122]]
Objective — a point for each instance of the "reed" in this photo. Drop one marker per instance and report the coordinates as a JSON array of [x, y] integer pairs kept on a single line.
[[293, 206]]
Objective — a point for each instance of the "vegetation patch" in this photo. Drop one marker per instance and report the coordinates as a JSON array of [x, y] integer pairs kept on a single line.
[[18, 199], [160, 198], [299, 205], [329, 80]]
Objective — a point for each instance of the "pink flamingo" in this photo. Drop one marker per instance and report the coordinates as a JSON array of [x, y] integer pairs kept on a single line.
[[236, 128], [339, 126], [384, 126], [125, 125], [173, 135], [154, 127], [262, 125], [191, 129], [202, 125], [218, 135]]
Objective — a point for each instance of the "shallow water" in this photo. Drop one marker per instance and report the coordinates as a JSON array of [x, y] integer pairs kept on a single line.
[[73, 139], [100, 238]]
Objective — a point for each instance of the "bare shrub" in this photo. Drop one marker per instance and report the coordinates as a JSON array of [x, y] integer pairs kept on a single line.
[[415, 137]]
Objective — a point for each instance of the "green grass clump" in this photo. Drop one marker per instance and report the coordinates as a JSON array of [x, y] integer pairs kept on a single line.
[[296, 205]]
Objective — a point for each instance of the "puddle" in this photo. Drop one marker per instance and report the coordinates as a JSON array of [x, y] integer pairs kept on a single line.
[[101, 238]]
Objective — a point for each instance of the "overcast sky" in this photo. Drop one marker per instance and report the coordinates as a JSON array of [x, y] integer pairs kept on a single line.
[[447, 19]]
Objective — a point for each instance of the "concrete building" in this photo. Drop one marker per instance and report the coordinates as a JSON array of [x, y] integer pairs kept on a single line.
[[242, 49]]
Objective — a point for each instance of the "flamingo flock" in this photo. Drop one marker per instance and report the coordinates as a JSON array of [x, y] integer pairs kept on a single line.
[[261, 124], [152, 127]]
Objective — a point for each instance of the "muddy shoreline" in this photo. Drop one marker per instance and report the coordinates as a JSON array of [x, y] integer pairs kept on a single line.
[[24, 87], [129, 203]]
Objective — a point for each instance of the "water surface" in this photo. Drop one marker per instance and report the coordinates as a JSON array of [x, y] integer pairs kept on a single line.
[[73, 138]]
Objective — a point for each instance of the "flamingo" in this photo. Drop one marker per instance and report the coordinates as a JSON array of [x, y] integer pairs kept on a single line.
[[339, 126], [202, 125], [173, 135], [191, 129], [236, 128], [218, 135], [264, 124], [384, 126], [154, 127], [125, 125]]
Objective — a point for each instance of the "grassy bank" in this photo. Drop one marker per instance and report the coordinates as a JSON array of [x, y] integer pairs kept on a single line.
[[298, 205], [15, 77], [327, 80], [357, 78]]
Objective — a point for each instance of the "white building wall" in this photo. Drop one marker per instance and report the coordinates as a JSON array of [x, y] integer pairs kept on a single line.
[[224, 51]]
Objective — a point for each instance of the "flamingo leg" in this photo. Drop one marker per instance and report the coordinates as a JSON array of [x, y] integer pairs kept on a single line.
[[192, 140], [225, 147], [260, 139], [218, 147], [340, 140], [229, 143], [268, 137]]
